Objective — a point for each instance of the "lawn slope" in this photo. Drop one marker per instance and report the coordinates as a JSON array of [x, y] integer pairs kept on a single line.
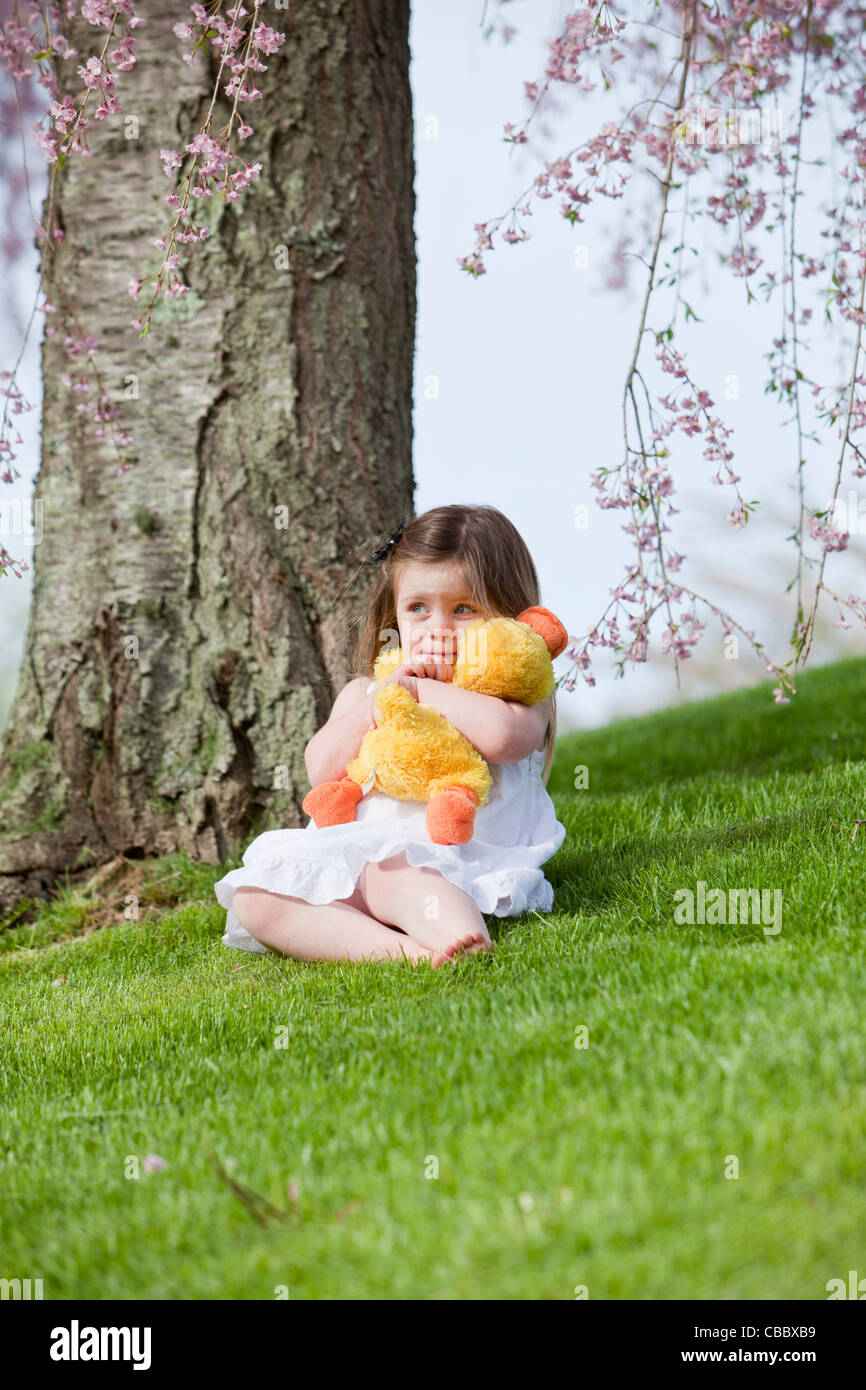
[[615, 1102]]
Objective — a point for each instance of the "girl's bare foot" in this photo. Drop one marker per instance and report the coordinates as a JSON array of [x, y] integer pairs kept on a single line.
[[469, 943]]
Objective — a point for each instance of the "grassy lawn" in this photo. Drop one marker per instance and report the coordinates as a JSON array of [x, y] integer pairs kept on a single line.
[[302, 1110]]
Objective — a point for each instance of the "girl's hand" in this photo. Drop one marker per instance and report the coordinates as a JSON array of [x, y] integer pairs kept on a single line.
[[428, 668], [404, 675]]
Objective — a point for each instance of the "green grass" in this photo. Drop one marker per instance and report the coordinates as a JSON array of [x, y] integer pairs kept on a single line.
[[558, 1166]]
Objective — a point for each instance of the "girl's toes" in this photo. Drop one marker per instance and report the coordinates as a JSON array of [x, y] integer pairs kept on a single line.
[[476, 941], [469, 943]]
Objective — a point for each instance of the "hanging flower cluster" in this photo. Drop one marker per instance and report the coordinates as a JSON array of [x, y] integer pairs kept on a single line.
[[732, 57]]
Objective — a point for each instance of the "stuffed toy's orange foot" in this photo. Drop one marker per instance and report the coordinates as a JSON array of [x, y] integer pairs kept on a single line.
[[333, 803], [450, 817]]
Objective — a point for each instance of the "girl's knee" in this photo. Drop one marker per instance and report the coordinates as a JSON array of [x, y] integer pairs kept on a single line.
[[375, 867], [254, 907]]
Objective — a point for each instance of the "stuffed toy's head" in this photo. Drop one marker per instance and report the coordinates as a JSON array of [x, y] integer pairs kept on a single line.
[[508, 657]]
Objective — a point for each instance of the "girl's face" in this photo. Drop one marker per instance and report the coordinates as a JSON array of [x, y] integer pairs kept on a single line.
[[433, 603]]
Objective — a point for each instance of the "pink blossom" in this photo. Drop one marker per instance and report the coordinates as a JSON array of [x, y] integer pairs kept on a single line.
[[828, 535], [268, 40], [47, 143], [171, 160], [92, 73], [63, 113]]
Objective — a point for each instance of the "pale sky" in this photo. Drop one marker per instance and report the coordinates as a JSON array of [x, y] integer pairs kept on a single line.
[[519, 374]]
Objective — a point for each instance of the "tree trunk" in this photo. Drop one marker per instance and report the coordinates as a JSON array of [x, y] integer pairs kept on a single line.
[[181, 649]]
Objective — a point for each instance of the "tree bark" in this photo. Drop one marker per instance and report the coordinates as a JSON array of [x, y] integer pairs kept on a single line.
[[182, 649]]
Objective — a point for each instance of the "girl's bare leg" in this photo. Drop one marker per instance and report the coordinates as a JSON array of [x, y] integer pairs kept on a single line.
[[339, 930], [432, 911]]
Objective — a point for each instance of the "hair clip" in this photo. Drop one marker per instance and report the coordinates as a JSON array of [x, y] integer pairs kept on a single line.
[[384, 550]]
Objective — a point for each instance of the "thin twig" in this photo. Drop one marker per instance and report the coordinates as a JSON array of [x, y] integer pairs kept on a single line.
[[258, 1207]]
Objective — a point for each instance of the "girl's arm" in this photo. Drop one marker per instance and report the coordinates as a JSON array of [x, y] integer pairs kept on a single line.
[[337, 742], [503, 731]]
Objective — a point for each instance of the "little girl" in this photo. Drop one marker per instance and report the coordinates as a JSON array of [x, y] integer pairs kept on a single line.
[[378, 888]]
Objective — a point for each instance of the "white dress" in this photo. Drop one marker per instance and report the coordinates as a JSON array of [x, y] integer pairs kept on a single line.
[[515, 832]]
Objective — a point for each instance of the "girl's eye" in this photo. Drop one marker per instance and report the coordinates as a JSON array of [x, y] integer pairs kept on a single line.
[[467, 606]]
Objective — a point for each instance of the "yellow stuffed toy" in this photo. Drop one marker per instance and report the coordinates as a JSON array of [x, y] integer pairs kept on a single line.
[[415, 754]]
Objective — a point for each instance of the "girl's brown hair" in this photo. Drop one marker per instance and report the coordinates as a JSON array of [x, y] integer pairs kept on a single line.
[[497, 566]]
